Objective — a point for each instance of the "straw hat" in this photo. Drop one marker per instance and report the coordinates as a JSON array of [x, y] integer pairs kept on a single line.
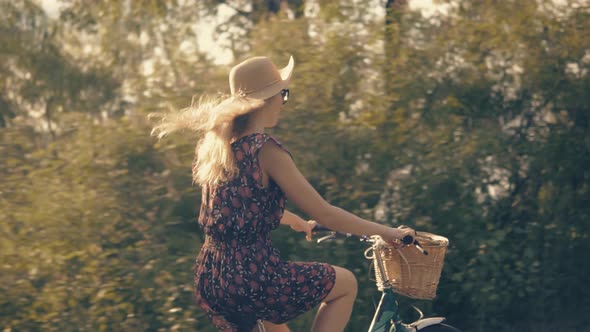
[[259, 78]]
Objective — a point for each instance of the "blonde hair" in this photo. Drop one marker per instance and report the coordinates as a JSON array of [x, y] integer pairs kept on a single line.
[[218, 121]]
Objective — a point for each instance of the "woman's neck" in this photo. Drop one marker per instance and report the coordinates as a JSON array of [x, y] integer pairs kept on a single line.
[[251, 130], [252, 123]]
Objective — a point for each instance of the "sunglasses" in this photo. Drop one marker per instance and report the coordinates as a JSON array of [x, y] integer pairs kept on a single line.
[[285, 95]]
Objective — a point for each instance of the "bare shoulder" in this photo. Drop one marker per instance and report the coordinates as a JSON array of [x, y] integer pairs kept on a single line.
[[272, 152], [278, 164]]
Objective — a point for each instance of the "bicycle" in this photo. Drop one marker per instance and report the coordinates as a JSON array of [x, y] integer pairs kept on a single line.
[[387, 315]]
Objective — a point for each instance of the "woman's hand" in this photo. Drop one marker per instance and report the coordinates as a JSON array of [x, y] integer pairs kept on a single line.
[[304, 226], [395, 236]]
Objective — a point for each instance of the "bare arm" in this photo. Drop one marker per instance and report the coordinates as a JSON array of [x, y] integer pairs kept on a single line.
[[298, 224], [290, 218], [280, 167]]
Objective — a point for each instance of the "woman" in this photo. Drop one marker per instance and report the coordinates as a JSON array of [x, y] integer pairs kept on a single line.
[[246, 176]]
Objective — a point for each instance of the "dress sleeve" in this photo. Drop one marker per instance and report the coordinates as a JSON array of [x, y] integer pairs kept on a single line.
[[263, 139], [257, 144]]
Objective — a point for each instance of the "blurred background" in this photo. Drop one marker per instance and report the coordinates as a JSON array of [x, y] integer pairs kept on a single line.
[[465, 118]]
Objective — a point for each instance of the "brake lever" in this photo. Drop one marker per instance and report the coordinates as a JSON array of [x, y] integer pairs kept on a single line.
[[419, 247], [327, 237]]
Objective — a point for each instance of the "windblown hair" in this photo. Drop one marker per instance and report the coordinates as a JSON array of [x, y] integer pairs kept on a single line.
[[217, 121]]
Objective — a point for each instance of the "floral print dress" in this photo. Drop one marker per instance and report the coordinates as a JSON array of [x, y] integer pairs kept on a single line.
[[239, 276]]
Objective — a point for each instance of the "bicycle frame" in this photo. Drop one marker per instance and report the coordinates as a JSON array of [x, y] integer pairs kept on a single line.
[[387, 314]]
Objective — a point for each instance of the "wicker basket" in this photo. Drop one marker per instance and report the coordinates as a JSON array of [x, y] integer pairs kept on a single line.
[[409, 271]]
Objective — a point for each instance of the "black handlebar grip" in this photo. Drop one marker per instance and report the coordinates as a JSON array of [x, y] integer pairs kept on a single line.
[[321, 228], [408, 239]]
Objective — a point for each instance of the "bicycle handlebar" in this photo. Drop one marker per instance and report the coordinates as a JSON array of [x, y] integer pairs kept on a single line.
[[321, 228], [406, 240]]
